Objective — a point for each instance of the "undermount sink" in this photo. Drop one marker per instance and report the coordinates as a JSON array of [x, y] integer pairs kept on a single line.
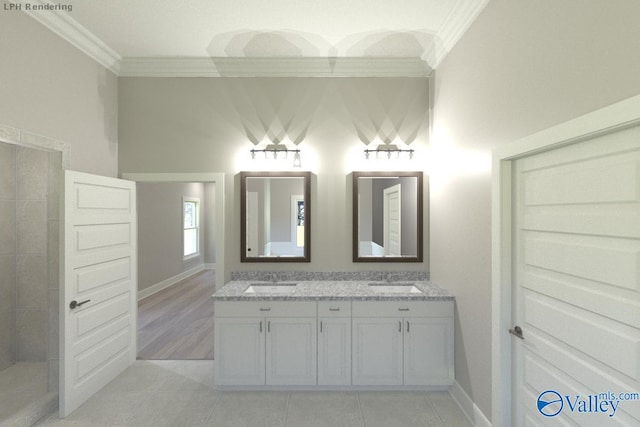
[[394, 288], [271, 288]]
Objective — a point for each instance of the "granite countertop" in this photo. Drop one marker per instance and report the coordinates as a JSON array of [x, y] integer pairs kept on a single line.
[[330, 291]]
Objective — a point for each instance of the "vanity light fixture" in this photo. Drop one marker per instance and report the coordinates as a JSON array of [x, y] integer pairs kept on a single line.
[[297, 160], [389, 149], [275, 149]]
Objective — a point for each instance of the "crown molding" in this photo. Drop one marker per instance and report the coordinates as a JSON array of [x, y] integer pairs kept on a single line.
[[67, 28], [458, 21], [456, 24], [274, 67]]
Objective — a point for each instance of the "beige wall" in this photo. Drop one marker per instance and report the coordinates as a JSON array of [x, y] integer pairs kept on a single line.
[[522, 67], [160, 250], [207, 125], [50, 88]]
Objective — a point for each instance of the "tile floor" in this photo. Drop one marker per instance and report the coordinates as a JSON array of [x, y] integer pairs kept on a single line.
[[20, 384], [181, 393], [23, 394]]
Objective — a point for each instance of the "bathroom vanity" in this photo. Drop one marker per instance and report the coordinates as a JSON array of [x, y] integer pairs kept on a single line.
[[333, 335]]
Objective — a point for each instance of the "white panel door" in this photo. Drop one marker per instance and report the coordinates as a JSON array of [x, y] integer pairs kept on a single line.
[[392, 224], [428, 351], [377, 351], [239, 351], [334, 351], [99, 311], [291, 351], [576, 285]]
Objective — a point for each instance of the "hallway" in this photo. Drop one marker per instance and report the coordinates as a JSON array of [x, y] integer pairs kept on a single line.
[[177, 323]]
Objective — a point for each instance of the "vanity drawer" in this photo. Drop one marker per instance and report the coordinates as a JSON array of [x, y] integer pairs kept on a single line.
[[334, 308], [265, 308], [402, 308]]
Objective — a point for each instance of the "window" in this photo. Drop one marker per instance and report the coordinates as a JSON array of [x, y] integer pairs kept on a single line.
[[190, 223], [300, 223], [297, 216]]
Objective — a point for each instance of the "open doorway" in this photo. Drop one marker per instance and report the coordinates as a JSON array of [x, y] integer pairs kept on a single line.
[[179, 227]]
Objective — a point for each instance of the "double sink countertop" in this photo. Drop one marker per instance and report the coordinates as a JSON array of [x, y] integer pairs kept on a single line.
[[332, 291]]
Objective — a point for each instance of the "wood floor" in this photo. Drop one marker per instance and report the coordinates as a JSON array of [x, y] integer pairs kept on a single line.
[[177, 323]]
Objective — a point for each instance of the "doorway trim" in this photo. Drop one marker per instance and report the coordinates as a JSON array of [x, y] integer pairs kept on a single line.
[[616, 117], [206, 177], [15, 136], [23, 138]]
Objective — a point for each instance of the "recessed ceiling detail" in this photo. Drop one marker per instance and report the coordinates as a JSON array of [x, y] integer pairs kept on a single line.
[[251, 37]]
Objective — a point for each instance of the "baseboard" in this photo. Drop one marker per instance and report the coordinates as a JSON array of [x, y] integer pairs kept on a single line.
[[147, 292], [467, 405], [209, 265]]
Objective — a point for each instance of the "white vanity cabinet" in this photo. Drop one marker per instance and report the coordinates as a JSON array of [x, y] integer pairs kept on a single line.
[[402, 343], [265, 343], [334, 343], [239, 351], [377, 351], [342, 344]]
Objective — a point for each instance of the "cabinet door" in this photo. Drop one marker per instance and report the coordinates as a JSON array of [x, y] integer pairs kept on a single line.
[[334, 351], [291, 351], [428, 351], [239, 351], [377, 351]]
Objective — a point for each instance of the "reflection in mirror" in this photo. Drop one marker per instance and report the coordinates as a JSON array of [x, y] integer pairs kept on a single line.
[[275, 216], [387, 217]]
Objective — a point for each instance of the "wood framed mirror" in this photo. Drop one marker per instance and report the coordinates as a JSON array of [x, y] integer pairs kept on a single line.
[[388, 216], [275, 216]]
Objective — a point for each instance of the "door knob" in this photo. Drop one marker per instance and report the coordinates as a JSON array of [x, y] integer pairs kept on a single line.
[[75, 303], [517, 332]]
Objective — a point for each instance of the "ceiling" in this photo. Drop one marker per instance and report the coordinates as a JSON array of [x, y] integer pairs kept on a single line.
[[259, 37]]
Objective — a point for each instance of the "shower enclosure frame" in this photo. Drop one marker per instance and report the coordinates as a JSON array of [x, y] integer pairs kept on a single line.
[[21, 138]]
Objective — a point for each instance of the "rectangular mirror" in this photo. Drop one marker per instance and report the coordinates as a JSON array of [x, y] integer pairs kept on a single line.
[[275, 217], [387, 217]]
